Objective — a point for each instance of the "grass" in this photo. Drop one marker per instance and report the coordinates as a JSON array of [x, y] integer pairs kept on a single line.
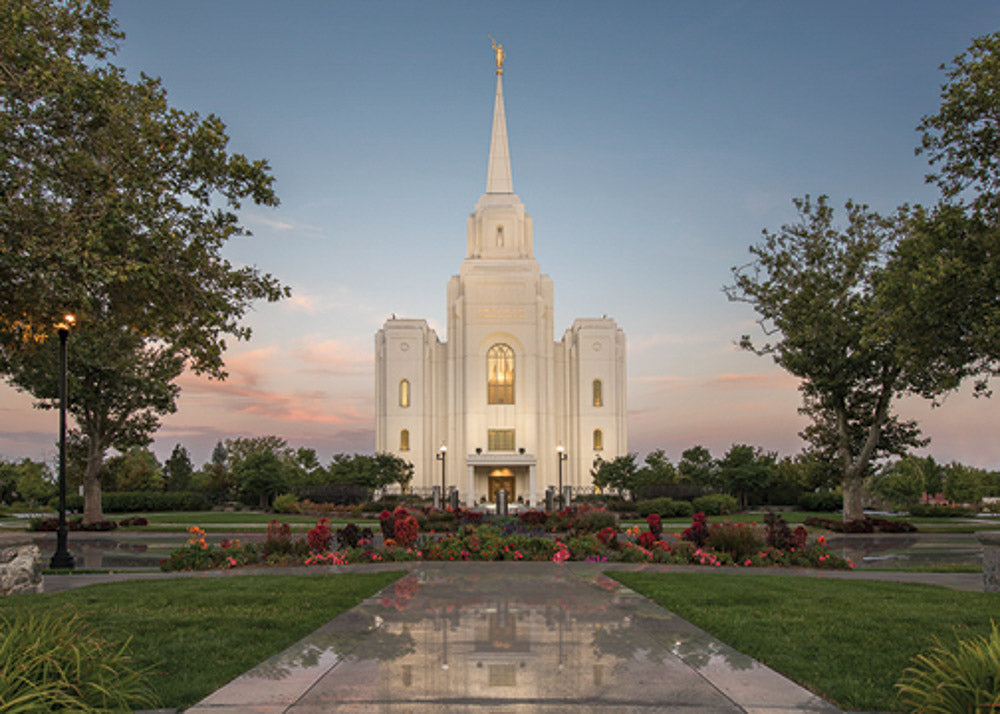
[[196, 633], [848, 641]]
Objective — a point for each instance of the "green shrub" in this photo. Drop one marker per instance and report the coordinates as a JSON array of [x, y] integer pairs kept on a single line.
[[286, 503], [927, 510], [141, 501], [593, 520], [963, 678], [665, 507], [715, 504], [738, 539], [821, 501], [57, 662]]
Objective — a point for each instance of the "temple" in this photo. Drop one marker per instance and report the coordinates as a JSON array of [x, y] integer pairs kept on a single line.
[[500, 404]]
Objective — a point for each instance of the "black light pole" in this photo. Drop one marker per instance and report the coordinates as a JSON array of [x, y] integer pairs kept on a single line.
[[562, 457], [440, 457], [61, 559]]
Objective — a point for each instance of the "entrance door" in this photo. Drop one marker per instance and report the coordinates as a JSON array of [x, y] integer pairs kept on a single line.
[[502, 479]]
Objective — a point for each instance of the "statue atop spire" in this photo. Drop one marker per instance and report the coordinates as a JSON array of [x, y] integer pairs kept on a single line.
[[500, 54]]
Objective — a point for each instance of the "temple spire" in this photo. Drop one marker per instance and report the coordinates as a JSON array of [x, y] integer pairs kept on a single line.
[[498, 176]]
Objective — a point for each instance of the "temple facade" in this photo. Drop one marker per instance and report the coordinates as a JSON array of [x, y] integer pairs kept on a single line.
[[500, 403]]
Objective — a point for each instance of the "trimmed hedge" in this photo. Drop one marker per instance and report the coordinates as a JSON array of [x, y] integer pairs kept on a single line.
[[342, 494], [141, 501], [821, 501], [665, 507], [927, 510], [676, 491], [715, 504]]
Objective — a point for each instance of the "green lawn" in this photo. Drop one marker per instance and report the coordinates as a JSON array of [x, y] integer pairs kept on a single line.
[[847, 640], [199, 633]]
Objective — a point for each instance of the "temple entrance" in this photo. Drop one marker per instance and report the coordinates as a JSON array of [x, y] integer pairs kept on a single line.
[[502, 479]]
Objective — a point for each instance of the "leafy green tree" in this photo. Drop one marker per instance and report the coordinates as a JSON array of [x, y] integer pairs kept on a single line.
[[136, 470], [393, 470], [697, 467], [8, 481], [34, 482], [619, 473], [178, 470], [964, 484], [119, 387], [656, 471], [371, 472], [260, 477], [745, 471], [816, 289], [902, 482], [116, 208]]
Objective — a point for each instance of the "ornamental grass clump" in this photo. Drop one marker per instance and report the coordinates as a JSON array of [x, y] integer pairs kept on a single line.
[[961, 678], [57, 662]]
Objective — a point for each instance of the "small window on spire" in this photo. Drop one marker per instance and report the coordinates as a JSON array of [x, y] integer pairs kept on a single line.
[[404, 440], [499, 236], [598, 440], [404, 393]]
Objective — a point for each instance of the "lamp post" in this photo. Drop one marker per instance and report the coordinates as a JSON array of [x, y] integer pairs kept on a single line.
[[440, 457], [562, 457], [61, 559]]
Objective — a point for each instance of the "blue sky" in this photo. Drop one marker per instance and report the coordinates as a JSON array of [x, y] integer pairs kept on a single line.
[[650, 141]]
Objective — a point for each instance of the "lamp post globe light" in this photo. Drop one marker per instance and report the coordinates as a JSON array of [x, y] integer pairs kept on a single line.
[[61, 559], [440, 457], [562, 457]]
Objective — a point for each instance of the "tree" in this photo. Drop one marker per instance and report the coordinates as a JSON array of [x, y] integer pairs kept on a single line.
[[31, 481], [115, 207], [964, 484], [657, 472], [393, 470], [746, 471], [135, 470], [819, 292], [178, 469], [697, 466], [619, 473], [259, 478], [962, 138], [902, 482], [119, 387]]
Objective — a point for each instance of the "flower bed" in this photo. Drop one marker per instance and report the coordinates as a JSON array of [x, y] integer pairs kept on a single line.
[[732, 544]]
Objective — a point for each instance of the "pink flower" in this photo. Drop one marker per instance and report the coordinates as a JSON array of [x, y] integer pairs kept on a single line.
[[748, 562]]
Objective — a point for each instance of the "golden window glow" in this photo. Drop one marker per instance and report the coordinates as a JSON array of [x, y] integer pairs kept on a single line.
[[404, 440], [598, 439], [598, 393], [500, 374], [500, 439], [404, 393]]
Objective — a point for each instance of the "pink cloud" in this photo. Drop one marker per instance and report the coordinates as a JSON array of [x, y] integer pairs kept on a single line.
[[335, 357]]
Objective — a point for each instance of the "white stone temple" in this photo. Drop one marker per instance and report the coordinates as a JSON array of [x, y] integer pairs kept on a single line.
[[498, 403]]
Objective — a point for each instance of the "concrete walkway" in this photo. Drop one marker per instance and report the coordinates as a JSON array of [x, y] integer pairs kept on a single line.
[[512, 637]]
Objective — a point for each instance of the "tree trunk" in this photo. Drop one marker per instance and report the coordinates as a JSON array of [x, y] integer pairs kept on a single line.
[[92, 512], [853, 510]]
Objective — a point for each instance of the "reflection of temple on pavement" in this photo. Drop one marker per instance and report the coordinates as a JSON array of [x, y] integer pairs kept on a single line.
[[498, 649]]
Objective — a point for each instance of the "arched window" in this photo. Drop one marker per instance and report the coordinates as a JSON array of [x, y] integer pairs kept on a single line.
[[500, 374], [598, 439], [404, 392], [598, 393], [404, 440]]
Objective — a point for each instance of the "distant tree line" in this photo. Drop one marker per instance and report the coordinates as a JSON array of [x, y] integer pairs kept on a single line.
[[755, 477], [251, 471]]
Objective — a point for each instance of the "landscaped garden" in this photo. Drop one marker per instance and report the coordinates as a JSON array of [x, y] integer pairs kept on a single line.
[[580, 533]]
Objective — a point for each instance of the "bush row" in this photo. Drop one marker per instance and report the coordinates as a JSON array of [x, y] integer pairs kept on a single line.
[[131, 501]]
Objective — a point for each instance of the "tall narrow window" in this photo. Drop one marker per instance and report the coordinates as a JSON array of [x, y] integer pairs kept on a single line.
[[499, 236], [404, 392], [598, 439], [404, 440], [598, 394], [500, 374]]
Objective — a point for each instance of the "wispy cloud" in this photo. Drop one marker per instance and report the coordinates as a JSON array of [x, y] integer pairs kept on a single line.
[[334, 357], [283, 226], [780, 380]]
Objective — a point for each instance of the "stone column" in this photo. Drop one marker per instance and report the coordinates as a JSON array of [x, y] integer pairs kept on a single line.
[[532, 486], [470, 493], [991, 559]]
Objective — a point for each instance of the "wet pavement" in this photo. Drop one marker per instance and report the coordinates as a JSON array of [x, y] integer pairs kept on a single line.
[[510, 637]]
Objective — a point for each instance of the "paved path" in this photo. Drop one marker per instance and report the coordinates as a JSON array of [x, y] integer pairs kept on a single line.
[[512, 638]]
